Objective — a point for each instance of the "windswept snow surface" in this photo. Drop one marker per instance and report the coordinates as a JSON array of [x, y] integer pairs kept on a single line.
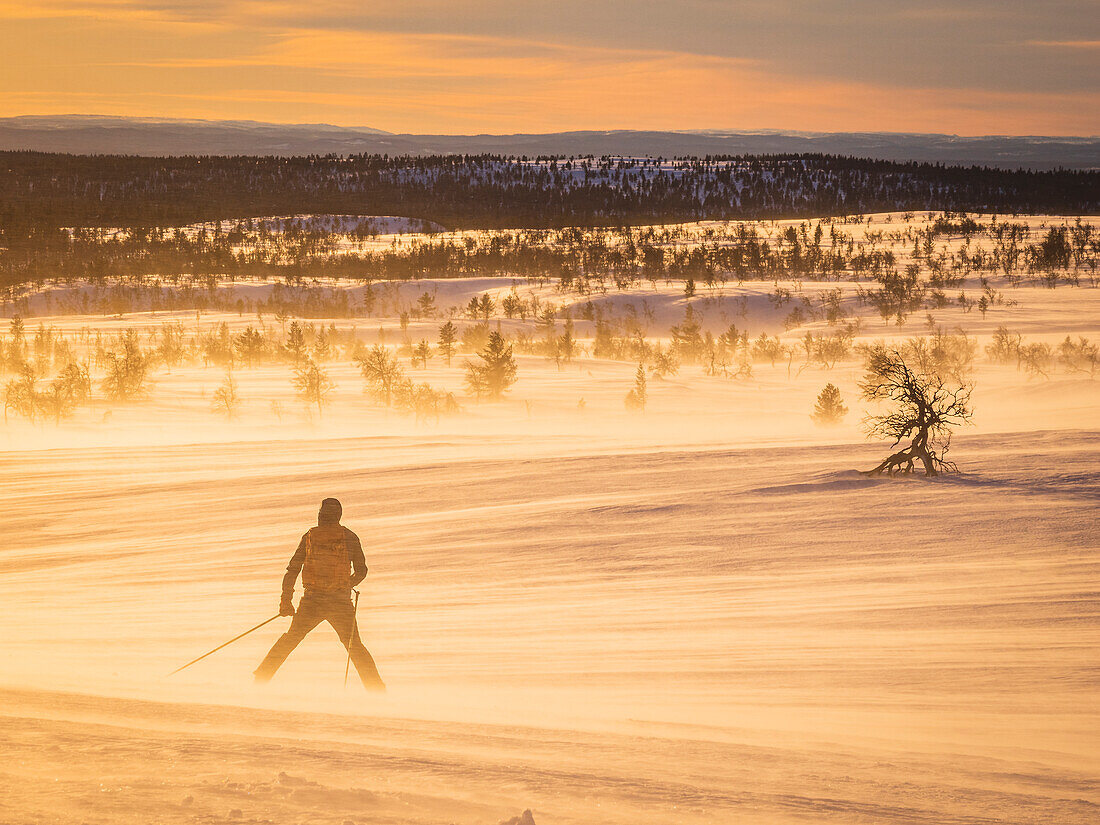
[[638, 635]]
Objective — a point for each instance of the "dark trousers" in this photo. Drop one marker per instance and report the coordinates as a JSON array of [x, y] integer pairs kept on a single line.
[[313, 609]]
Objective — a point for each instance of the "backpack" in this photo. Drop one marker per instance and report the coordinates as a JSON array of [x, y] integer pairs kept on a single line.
[[327, 567]]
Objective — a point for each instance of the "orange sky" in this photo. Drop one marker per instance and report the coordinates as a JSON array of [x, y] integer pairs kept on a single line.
[[437, 67]]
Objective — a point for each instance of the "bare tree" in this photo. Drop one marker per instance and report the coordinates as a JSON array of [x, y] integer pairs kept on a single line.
[[423, 400], [1037, 359], [70, 388], [380, 368], [925, 408], [313, 384], [171, 349], [1079, 355], [767, 349], [226, 399], [61, 397], [1004, 347], [127, 372], [20, 394]]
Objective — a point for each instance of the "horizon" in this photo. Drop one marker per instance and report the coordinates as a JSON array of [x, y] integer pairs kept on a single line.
[[594, 130]]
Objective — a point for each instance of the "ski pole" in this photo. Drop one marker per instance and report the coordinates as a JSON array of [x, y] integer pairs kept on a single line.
[[219, 647], [354, 633]]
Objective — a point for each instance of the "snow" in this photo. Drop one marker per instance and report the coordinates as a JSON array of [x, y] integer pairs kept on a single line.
[[702, 614]]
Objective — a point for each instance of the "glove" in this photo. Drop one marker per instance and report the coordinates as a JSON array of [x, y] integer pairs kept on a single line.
[[286, 607]]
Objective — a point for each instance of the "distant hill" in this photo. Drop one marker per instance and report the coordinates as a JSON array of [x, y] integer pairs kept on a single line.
[[86, 134], [96, 135], [39, 191]]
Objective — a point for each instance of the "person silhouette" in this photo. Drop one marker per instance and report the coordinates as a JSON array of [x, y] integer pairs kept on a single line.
[[331, 562]]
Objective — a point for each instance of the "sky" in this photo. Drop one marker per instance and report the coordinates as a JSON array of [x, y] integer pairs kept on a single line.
[[969, 67]]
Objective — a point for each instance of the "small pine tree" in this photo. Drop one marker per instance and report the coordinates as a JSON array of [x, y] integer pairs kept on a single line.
[[296, 342], [638, 396], [249, 344], [322, 346], [664, 363], [497, 371], [422, 352], [829, 409], [448, 334], [425, 304], [566, 347], [485, 306]]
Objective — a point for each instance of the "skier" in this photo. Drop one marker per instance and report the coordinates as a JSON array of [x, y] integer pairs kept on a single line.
[[330, 559]]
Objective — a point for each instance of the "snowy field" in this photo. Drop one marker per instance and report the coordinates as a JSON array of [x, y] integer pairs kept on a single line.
[[702, 614]]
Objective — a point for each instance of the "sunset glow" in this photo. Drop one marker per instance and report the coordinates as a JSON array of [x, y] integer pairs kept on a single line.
[[429, 67]]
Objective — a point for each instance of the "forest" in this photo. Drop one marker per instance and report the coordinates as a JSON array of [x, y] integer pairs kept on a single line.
[[40, 192]]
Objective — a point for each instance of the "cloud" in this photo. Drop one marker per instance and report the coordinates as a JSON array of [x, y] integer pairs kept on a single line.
[[432, 69], [1066, 44]]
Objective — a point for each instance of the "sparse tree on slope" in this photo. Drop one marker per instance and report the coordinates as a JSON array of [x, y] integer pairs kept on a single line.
[[638, 396], [249, 345], [665, 363], [226, 400], [829, 408], [422, 352], [17, 349], [496, 372], [171, 349], [924, 410], [19, 394], [313, 384], [322, 346], [425, 305], [380, 368], [565, 348], [127, 372], [296, 342], [70, 388], [448, 334]]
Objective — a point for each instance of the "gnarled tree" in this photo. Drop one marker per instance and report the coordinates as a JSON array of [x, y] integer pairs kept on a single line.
[[925, 407]]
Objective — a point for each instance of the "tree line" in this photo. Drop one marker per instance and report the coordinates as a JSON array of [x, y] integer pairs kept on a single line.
[[40, 191], [193, 259]]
